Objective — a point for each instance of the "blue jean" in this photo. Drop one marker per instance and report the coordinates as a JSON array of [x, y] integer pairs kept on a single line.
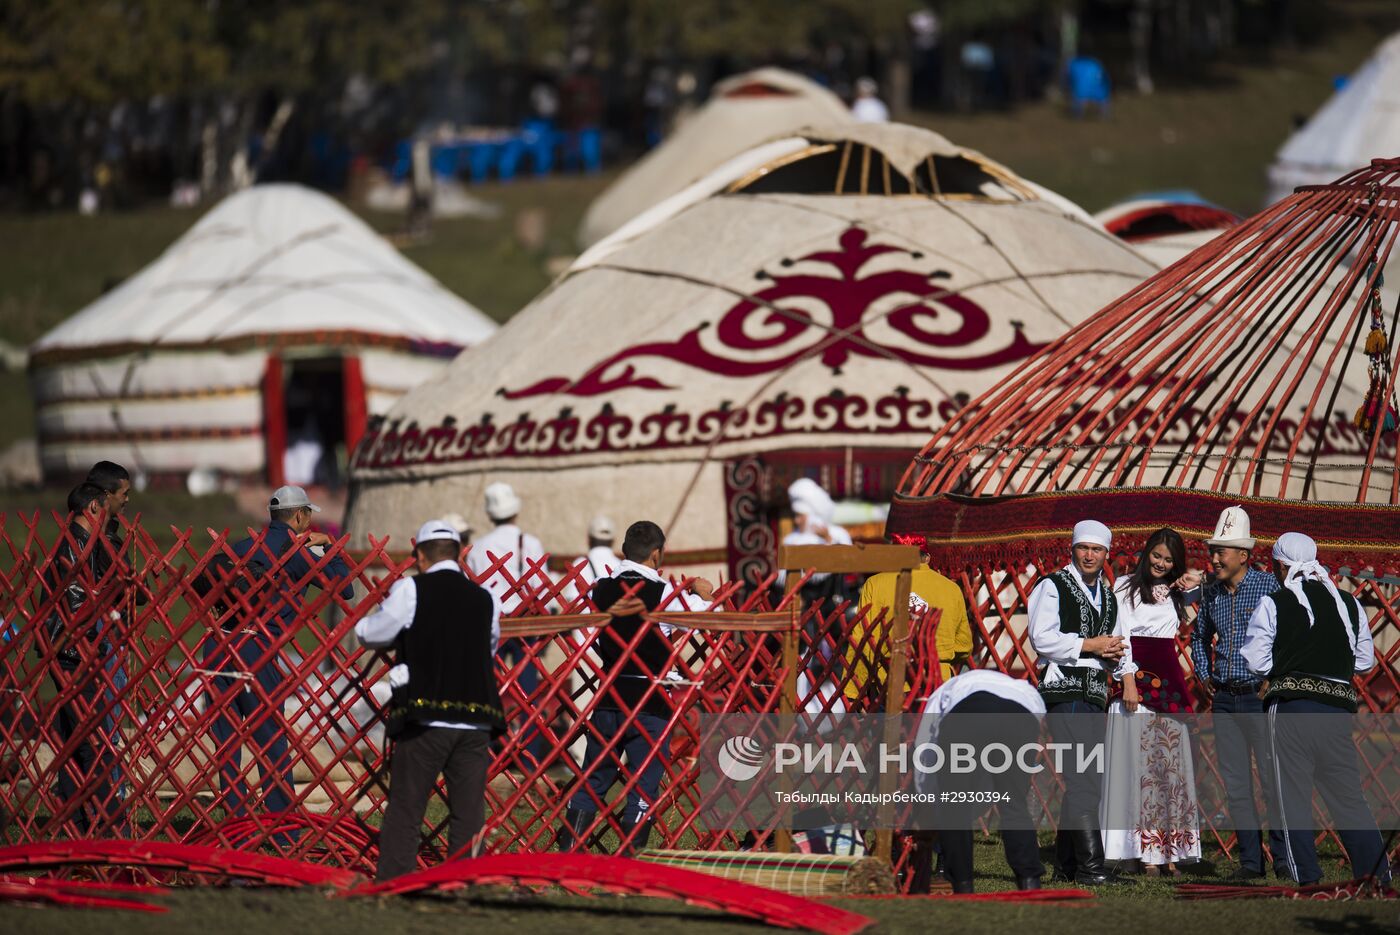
[[513, 651], [266, 728], [1309, 757], [1236, 738], [645, 734]]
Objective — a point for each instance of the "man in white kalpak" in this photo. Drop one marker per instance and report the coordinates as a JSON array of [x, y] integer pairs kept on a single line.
[[600, 561], [521, 558], [1010, 710], [1073, 615], [1306, 641], [868, 108], [522, 552]]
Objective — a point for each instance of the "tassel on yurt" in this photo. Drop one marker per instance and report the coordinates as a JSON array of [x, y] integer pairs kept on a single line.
[[1375, 342]]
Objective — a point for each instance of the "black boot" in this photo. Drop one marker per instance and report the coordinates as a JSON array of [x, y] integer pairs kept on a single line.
[[1064, 857], [639, 841], [576, 821], [1028, 883], [962, 886], [1088, 852]]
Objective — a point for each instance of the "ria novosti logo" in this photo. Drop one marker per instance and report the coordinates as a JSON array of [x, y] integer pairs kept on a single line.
[[741, 758]]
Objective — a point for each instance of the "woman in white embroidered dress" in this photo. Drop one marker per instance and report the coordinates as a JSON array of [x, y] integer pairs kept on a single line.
[[1149, 809]]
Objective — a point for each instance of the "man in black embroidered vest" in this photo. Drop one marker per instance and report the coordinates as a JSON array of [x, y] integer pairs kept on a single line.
[[1306, 640], [446, 706], [1073, 614], [642, 738]]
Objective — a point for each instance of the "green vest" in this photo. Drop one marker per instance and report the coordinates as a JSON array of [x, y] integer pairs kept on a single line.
[[1081, 618]]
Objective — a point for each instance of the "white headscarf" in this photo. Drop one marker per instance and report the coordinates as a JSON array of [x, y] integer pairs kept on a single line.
[[1299, 554], [1092, 532], [808, 497]]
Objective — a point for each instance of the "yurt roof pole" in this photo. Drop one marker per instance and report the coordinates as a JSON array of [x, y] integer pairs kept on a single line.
[[1214, 369]]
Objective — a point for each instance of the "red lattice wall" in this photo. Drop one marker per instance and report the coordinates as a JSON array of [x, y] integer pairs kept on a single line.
[[119, 699]]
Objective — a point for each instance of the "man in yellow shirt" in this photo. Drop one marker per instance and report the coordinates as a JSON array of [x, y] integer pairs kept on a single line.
[[927, 589]]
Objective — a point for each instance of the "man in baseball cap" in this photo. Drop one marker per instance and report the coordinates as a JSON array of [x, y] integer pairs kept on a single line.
[[282, 554], [291, 498], [446, 705]]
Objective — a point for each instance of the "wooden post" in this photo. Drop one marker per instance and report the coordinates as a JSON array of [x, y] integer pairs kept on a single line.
[[787, 701], [894, 703]]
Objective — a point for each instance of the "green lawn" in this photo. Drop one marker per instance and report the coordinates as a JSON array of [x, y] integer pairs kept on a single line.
[[1130, 908]]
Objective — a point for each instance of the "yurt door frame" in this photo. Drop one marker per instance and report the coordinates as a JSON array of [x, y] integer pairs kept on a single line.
[[755, 491], [353, 408]]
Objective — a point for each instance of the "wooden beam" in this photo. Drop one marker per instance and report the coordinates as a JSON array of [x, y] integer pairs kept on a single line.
[[848, 559]]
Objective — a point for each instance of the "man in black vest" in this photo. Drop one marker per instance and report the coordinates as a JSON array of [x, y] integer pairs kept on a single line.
[[642, 739], [1306, 640], [446, 706], [1073, 615]]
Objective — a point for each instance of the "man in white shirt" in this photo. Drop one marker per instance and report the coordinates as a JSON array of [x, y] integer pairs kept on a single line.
[[630, 721], [445, 705], [1073, 614], [978, 708], [1307, 641], [518, 562], [600, 561], [868, 108]]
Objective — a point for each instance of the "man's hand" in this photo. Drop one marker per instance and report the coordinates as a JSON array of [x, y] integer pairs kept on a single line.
[[1188, 581], [1209, 686], [1131, 698], [703, 589], [1106, 647], [628, 607], [1263, 689], [317, 538]]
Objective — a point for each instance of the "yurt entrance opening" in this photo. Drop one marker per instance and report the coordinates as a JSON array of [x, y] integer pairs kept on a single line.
[[316, 411], [860, 480]]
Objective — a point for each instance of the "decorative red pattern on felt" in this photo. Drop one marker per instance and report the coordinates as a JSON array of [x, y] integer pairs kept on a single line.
[[969, 526], [390, 445], [754, 325]]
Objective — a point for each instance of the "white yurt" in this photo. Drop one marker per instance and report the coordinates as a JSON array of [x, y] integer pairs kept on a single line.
[[742, 111], [1359, 123], [259, 343], [1164, 228], [812, 308]]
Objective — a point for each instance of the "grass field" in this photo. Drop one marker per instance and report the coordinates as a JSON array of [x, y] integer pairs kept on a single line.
[[236, 911]]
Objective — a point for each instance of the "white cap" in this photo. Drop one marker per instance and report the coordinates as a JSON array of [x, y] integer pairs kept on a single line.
[[1232, 530], [602, 529], [501, 502], [435, 529], [458, 522], [291, 498], [808, 497], [1092, 532]]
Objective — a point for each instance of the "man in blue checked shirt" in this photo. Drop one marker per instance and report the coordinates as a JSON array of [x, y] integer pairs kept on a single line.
[[1227, 603]]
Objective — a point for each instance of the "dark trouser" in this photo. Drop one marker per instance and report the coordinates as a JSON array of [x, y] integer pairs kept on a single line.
[[1000, 721], [1084, 726], [76, 717], [533, 742], [1235, 739], [420, 754], [270, 748], [1310, 756], [645, 734]]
